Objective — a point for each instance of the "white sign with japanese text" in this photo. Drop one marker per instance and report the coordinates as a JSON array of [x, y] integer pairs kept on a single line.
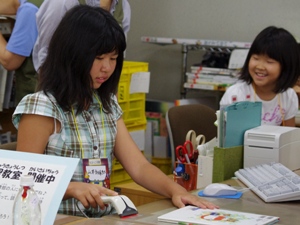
[[51, 174], [96, 172]]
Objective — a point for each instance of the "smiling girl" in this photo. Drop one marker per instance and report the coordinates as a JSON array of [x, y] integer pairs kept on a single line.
[[270, 71]]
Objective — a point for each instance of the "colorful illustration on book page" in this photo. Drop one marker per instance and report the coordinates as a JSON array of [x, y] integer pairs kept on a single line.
[[230, 217], [221, 216]]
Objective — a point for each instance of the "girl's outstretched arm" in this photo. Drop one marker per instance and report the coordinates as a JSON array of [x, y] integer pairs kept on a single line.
[[148, 175]]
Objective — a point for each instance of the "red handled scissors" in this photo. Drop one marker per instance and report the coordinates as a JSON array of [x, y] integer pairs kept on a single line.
[[185, 152]]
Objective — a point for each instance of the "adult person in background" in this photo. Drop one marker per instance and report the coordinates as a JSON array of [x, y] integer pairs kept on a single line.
[[52, 11], [16, 53]]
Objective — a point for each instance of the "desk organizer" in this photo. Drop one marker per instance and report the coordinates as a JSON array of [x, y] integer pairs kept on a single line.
[[187, 177], [226, 161]]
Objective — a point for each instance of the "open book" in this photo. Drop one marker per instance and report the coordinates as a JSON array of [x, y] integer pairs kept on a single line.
[[195, 215]]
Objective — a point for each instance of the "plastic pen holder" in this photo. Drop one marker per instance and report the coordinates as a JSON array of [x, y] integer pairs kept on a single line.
[[185, 175]]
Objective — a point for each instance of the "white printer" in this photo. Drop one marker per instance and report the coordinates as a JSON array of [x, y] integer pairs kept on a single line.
[[266, 143]]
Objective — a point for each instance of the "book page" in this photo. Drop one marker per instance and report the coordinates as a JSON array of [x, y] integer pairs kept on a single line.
[[195, 215]]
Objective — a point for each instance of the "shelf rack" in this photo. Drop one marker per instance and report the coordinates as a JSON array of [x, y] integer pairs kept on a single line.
[[192, 45]]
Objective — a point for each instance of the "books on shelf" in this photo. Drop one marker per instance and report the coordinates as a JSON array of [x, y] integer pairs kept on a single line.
[[206, 86], [211, 70], [194, 215], [218, 79], [208, 78], [219, 84]]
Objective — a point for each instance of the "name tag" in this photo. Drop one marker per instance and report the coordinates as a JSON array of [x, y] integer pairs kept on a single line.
[[96, 171]]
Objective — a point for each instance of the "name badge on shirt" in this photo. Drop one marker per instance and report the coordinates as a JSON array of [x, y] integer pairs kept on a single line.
[[96, 171]]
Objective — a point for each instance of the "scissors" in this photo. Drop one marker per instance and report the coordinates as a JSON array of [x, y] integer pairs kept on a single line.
[[185, 152], [196, 140]]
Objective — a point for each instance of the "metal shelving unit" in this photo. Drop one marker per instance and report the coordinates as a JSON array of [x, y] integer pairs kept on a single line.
[[194, 45]]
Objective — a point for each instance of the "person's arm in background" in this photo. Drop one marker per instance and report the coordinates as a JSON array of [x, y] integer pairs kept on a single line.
[[22, 39], [105, 4], [9, 60], [290, 122], [48, 17]]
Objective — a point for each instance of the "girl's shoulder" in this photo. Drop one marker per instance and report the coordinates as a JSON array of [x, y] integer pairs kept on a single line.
[[236, 93], [289, 94], [116, 108], [290, 91], [238, 87], [38, 98], [37, 103]]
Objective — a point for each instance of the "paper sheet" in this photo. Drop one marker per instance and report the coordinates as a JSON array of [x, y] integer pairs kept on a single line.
[[140, 82], [237, 58], [51, 174]]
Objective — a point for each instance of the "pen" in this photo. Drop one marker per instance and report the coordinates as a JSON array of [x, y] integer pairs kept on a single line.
[[187, 158]]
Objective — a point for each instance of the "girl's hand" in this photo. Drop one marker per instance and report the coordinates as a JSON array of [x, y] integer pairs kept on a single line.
[[183, 199], [88, 194]]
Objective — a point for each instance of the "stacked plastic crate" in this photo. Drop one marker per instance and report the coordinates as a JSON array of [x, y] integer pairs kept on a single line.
[[133, 106]]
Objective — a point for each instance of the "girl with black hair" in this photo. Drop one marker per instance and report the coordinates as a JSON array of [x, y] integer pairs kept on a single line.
[[75, 112], [269, 74]]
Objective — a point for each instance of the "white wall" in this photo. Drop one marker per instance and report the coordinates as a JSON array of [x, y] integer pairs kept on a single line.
[[231, 20]]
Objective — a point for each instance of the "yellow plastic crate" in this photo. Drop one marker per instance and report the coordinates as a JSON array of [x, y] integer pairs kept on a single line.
[[137, 125], [133, 105], [164, 164]]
